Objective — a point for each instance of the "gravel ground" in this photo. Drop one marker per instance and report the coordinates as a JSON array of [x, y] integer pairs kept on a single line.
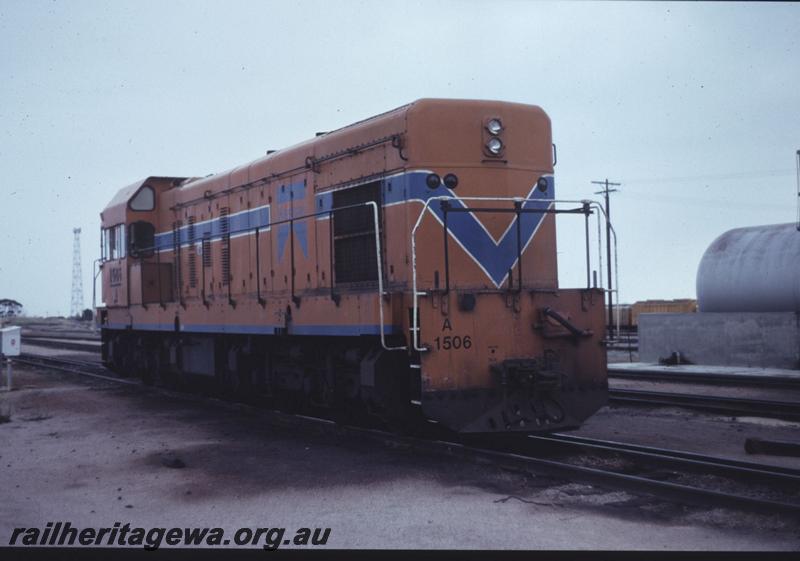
[[692, 431], [95, 453]]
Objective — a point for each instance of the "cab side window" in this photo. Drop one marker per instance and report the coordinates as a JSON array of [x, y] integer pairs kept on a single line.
[[113, 242], [142, 239], [105, 248], [120, 236]]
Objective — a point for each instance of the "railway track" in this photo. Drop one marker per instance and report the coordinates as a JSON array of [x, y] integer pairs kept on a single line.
[[714, 378], [747, 473], [87, 345], [717, 404], [82, 367], [788, 410], [53, 334], [545, 455]]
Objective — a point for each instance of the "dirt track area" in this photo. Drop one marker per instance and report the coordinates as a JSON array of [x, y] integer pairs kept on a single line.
[[94, 453]]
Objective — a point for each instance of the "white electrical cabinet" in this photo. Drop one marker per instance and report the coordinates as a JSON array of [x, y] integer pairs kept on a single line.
[[10, 341]]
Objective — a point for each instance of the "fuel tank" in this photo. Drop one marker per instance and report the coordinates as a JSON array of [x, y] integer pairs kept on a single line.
[[753, 269]]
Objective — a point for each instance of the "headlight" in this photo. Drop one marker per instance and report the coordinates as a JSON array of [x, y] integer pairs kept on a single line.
[[494, 126], [542, 184], [495, 145], [451, 180], [432, 181]]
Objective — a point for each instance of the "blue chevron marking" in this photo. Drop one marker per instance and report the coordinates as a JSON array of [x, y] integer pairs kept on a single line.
[[496, 258]]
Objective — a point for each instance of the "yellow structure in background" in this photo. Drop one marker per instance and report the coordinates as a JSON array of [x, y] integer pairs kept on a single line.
[[629, 313]]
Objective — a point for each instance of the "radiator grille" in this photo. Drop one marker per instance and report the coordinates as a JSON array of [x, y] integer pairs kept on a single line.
[[206, 249], [225, 246], [354, 234], [192, 253]]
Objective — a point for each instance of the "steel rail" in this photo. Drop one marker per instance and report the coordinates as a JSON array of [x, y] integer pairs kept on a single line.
[[73, 345], [672, 492], [75, 367], [740, 406], [705, 463], [706, 378], [59, 335]]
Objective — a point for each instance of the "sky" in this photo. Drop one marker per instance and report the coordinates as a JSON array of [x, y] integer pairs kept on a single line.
[[692, 107]]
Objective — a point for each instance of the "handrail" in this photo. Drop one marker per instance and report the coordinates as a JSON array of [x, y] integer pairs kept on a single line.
[[380, 277], [158, 272], [176, 243], [587, 204], [614, 291], [94, 281], [261, 301], [295, 299]]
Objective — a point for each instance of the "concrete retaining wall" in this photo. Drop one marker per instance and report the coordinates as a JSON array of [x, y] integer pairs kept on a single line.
[[754, 339]]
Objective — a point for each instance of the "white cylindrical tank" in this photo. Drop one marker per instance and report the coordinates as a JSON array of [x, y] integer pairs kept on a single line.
[[755, 269]]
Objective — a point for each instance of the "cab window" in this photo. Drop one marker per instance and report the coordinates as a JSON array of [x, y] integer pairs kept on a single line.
[[105, 251], [113, 242], [142, 239]]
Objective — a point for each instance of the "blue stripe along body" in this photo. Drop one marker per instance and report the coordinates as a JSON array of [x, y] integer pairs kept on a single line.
[[494, 257]]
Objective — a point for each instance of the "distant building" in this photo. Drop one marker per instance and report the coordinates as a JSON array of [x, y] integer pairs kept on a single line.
[[10, 308]]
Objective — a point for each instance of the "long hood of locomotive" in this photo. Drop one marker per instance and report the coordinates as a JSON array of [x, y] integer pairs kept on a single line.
[[494, 253], [483, 249]]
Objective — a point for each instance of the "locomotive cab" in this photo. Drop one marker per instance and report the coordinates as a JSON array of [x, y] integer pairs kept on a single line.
[[132, 271]]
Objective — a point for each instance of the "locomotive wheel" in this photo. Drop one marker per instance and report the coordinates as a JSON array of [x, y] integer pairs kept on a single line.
[[148, 371], [127, 366], [348, 412], [247, 390], [234, 384], [146, 374], [288, 401], [413, 423]]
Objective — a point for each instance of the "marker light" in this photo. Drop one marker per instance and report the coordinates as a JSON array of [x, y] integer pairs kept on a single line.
[[494, 126], [495, 145]]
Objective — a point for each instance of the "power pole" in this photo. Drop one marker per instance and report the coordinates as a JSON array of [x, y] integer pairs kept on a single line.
[[77, 276], [606, 191]]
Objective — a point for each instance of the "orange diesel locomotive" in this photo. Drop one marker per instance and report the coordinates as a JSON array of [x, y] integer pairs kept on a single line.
[[403, 266]]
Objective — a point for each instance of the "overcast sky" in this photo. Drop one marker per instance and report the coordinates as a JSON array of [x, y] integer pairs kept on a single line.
[[692, 107]]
